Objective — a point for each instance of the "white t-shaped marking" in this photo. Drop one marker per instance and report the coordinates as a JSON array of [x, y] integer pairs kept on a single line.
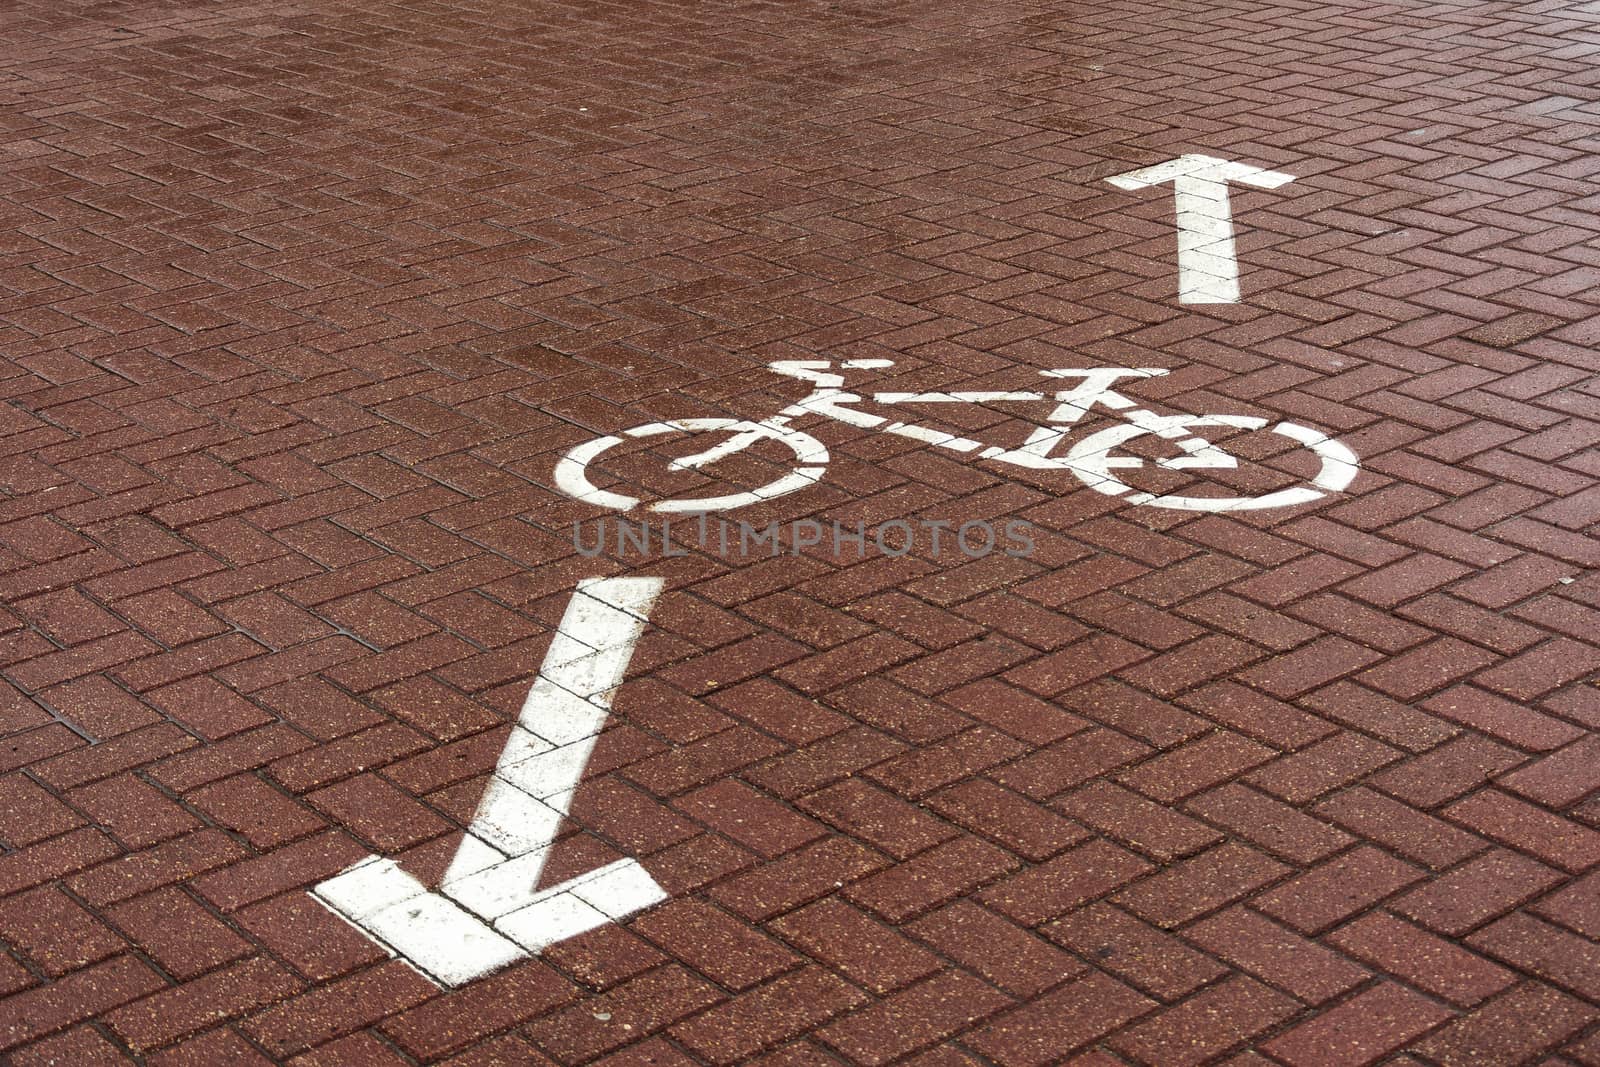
[[1208, 268]]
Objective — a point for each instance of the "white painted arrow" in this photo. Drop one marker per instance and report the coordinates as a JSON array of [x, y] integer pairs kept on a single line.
[[1208, 268], [488, 911]]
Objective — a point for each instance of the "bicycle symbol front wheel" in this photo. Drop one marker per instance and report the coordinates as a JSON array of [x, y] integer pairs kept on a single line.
[[1091, 461], [810, 459]]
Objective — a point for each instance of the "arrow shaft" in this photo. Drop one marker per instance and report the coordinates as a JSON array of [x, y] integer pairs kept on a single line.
[[1208, 266], [563, 714]]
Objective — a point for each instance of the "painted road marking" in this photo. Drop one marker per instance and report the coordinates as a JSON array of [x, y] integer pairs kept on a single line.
[[1208, 268], [488, 910]]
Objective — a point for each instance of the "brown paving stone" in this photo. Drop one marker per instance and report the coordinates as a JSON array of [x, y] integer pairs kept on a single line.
[[55, 932], [862, 949], [715, 944], [1518, 1025], [1060, 1022], [178, 933], [1135, 951], [1297, 964], [1031, 830], [76, 997], [1424, 960], [1480, 889], [766, 1015], [342, 1007], [1207, 1023], [221, 995], [448, 1023], [1378, 1020], [1184, 891], [914, 1018], [1337, 888]]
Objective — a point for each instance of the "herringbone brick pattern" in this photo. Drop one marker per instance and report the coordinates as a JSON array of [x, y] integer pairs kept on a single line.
[[300, 303]]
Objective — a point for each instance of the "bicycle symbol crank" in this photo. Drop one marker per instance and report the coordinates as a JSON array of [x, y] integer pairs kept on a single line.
[[1090, 459]]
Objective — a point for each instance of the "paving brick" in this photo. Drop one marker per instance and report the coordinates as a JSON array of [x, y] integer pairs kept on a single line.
[[1296, 964], [880, 818], [1216, 757], [1379, 628], [1535, 947], [1447, 771], [766, 1015], [1060, 1022], [1478, 890], [930, 767], [1200, 884], [1521, 825], [940, 1006], [1208, 1023], [1378, 1020], [177, 933], [1076, 759], [303, 863], [137, 813], [1309, 667], [1510, 721], [932, 878], [138, 872], [1414, 834], [1258, 716], [1015, 712], [1337, 888], [448, 1023], [1575, 905], [1422, 959], [84, 1046], [1328, 764], [362, 1047], [1145, 826], [1156, 962], [1514, 1027], [1135, 713], [1268, 823], [225, 994], [798, 878], [55, 932], [29, 814], [862, 949], [1384, 717], [1031, 830], [1537, 671], [887, 706], [996, 948], [753, 819], [74, 998], [341, 1007]]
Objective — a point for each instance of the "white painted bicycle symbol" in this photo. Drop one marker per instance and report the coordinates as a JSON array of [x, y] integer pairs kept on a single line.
[[1093, 459]]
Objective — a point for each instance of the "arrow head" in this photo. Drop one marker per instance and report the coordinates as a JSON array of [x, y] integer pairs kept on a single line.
[[1203, 167]]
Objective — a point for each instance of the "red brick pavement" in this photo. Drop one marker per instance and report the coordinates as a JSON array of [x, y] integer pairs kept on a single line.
[[300, 302]]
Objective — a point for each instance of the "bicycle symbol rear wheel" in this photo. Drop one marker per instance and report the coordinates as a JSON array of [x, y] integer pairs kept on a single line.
[[810, 459]]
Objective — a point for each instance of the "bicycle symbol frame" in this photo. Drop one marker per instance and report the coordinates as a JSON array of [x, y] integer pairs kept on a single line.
[[1089, 459]]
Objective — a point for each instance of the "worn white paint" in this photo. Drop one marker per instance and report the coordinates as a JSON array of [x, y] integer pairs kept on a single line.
[[1208, 266], [488, 910]]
